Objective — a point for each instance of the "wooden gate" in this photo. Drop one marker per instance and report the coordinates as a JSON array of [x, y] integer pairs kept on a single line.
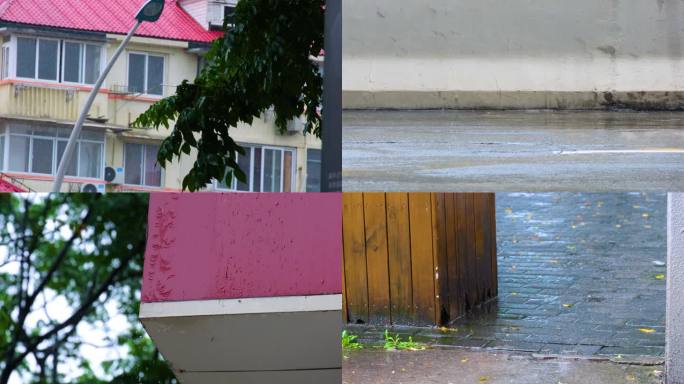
[[417, 258]]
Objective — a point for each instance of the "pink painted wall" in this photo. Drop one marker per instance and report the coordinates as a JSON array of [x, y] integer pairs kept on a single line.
[[240, 245]]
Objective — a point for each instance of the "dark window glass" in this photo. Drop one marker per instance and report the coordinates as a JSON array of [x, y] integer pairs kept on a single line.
[[313, 170], [136, 73], [26, 57], [48, 51], [133, 164], [155, 75], [92, 67], [72, 62], [152, 169], [71, 168], [42, 156]]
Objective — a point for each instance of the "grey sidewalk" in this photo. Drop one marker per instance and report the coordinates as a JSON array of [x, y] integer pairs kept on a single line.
[[512, 151], [579, 274], [461, 367]]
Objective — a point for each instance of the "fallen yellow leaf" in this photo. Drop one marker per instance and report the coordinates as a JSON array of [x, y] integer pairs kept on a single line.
[[483, 379], [645, 215], [659, 276], [509, 211], [630, 377], [646, 330], [464, 360], [514, 293], [567, 305]]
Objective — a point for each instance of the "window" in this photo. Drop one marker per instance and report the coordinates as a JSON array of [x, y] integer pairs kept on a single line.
[[40, 58], [146, 74], [82, 62], [229, 14], [39, 150], [37, 58], [268, 169], [2, 148], [5, 61], [140, 164], [313, 170]]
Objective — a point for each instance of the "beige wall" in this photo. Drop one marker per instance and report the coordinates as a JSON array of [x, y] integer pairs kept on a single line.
[[475, 51]]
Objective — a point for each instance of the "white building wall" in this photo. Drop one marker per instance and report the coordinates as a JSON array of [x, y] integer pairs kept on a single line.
[[469, 49]]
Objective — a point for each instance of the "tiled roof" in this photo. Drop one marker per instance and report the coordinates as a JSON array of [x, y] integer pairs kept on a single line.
[[110, 16], [7, 186]]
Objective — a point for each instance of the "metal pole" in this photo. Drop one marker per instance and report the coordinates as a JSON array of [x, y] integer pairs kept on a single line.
[[76, 132], [331, 167]]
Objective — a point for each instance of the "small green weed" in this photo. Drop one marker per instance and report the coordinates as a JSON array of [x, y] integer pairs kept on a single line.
[[349, 341], [394, 343]]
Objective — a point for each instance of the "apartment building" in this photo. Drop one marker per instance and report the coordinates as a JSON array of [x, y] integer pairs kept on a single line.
[[53, 52]]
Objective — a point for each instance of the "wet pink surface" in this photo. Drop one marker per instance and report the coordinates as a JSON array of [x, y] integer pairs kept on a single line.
[[222, 246]]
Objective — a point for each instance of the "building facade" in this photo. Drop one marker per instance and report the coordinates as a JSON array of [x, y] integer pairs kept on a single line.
[[51, 57]]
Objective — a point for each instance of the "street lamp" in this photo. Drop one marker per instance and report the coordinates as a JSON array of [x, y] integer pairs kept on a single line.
[[149, 12]]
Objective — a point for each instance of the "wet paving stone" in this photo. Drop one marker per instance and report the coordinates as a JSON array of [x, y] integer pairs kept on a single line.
[[579, 274]]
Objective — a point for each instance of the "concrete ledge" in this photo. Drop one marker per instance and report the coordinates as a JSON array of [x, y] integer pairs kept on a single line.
[[581, 100]]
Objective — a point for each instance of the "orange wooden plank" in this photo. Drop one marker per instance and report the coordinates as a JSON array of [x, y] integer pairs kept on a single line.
[[420, 212], [462, 235], [483, 247], [440, 258], [376, 258], [355, 258], [399, 255], [471, 275], [452, 256]]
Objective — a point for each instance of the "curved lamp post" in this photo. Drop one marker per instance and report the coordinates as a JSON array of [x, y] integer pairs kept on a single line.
[[149, 12]]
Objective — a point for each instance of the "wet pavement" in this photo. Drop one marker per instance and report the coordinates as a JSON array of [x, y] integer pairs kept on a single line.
[[461, 366], [512, 151], [579, 275]]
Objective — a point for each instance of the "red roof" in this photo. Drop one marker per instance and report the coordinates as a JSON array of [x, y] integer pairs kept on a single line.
[[110, 16], [7, 186]]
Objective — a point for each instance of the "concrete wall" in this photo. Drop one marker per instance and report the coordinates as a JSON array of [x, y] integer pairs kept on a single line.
[[674, 348], [508, 54]]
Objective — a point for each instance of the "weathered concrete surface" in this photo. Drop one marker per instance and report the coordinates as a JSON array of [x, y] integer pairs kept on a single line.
[[675, 287], [512, 151], [464, 53], [579, 274], [460, 366]]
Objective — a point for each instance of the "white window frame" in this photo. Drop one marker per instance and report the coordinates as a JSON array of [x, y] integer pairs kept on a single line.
[[142, 167], [251, 150], [15, 39], [6, 61], [147, 61], [55, 140], [81, 74]]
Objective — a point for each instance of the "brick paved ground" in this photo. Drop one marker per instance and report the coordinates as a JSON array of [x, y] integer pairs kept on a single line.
[[579, 274], [497, 367]]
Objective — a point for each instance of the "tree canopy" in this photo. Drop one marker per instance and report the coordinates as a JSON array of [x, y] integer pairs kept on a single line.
[[62, 258], [263, 61]]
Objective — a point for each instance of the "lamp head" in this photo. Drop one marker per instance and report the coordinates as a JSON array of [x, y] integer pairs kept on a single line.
[[150, 11]]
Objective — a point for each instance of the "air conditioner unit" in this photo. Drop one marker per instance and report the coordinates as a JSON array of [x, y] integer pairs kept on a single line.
[[93, 188], [114, 175], [295, 125]]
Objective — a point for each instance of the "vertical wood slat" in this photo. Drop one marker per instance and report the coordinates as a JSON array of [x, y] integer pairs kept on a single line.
[[493, 251], [399, 250], [375, 218], [440, 262], [421, 257], [420, 213], [353, 229], [452, 255]]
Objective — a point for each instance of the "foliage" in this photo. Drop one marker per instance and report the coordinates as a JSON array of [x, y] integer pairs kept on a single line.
[[263, 62], [349, 341], [394, 343], [62, 258]]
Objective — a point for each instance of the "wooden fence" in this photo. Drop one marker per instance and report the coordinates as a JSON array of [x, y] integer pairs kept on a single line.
[[417, 258]]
